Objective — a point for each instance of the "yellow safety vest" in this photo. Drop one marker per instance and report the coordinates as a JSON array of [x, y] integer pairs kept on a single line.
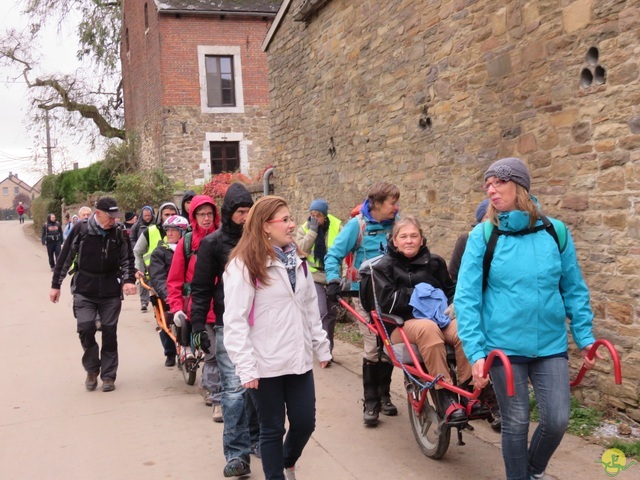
[[334, 230], [154, 240]]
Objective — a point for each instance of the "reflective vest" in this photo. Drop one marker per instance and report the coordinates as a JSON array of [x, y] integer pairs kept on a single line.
[[334, 230], [154, 239]]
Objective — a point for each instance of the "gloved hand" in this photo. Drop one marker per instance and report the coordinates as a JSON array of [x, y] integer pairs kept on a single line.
[[334, 289], [450, 312], [312, 224], [179, 318], [201, 340]]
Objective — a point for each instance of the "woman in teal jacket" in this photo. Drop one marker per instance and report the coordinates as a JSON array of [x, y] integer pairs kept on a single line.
[[534, 283], [366, 236]]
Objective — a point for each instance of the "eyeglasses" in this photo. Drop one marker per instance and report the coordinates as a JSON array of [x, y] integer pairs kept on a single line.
[[497, 183], [204, 215], [283, 220]]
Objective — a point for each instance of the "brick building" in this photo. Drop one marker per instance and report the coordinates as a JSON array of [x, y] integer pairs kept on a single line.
[[426, 94], [195, 85], [12, 186]]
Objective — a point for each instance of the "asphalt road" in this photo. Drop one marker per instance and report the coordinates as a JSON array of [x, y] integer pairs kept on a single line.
[[154, 426]]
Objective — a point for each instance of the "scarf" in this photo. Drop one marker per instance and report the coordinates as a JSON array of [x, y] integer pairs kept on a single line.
[[288, 257], [320, 247]]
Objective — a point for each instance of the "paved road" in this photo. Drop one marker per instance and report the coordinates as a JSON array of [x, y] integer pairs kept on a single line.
[[154, 426]]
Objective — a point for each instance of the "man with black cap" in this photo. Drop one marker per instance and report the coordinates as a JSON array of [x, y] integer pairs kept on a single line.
[[103, 269]]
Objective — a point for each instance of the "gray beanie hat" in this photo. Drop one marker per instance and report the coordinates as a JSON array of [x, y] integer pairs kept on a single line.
[[510, 169]]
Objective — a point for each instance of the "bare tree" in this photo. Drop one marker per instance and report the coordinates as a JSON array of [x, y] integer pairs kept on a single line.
[[93, 94]]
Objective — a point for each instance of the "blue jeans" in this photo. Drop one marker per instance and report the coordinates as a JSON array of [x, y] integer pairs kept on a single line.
[[296, 395], [235, 437], [550, 380], [211, 381]]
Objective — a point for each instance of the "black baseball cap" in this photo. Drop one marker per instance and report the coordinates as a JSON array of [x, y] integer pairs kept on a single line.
[[110, 206]]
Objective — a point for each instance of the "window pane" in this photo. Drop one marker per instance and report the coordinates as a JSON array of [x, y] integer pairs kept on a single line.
[[225, 65], [220, 81]]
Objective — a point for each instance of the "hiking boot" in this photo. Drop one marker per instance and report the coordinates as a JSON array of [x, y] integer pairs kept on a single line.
[[236, 468], [290, 473], [143, 308], [108, 385], [217, 414], [446, 399], [371, 412], [170, 361], [91, 382], [388, 408], [255, 450]]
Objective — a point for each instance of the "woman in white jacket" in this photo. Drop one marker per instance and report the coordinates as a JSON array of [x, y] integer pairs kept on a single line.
[[272, 329]]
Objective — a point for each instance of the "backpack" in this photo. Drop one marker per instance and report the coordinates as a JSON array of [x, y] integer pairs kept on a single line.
[[366, 292], [82, 234], [352, 274], [188, 253], [555, 228]]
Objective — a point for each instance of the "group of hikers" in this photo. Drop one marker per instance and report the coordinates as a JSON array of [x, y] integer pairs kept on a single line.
[[259, 297]]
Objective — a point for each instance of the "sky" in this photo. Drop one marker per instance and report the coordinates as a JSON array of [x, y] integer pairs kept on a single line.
[[19, 151]]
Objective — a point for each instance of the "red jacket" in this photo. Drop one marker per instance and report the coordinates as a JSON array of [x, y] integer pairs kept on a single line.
[[20, 210], [181, 273]]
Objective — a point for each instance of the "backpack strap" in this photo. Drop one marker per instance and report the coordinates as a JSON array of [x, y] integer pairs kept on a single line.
[[553, 227]]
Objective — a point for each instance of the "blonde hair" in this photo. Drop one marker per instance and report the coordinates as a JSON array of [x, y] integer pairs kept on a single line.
[[403, 222], [523, 202], [254, 247]]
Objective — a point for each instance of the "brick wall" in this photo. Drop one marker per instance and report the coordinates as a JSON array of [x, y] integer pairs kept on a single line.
[[162, 93], [428, 94]]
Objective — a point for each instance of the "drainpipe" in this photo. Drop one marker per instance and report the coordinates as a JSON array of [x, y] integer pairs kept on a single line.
[[265, 180]]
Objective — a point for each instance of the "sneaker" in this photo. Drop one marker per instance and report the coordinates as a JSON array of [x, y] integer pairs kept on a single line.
[[255, 450], [236, 468], [170, 361], [290, 473], [108, 385], [388, 408], [217, 414], [91, 381], [143, 308]]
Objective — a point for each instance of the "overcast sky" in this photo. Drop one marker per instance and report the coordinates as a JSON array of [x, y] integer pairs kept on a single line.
[[17, 143]]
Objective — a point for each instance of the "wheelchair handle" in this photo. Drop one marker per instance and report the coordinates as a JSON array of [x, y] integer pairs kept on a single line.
[[617, 370]]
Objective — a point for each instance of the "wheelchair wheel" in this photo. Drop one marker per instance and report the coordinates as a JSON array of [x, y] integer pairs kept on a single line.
[[432, 436], [189, 370]]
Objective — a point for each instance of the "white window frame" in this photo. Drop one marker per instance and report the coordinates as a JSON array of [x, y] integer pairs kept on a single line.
[[205, 166], [5, 191], [204, 50]]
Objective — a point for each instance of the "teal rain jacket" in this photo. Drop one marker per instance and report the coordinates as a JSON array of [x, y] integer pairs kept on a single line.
[[532, 289]]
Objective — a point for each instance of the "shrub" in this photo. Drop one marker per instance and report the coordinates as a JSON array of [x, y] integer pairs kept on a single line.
[[219, 184], [40, 208], [134, 190]]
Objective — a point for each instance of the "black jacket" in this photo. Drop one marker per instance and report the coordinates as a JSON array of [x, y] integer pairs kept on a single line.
[[212, 258], [159, 265], [51, 232], [104, 260], [395, 277]]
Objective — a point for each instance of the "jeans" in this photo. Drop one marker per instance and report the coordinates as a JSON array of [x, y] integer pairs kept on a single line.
[[328, 311], [293, 395], [550, 380], [235, 436], [210, 371], [94, 359]]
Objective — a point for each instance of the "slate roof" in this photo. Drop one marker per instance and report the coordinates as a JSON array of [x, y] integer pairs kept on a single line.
[[222, 6]]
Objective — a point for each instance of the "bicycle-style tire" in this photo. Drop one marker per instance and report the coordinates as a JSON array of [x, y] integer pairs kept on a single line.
[[189, 370], [433, 443]]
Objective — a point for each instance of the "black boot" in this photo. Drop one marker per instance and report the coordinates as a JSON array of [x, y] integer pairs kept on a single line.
[[386, 407], [370, 382], [446, 398]]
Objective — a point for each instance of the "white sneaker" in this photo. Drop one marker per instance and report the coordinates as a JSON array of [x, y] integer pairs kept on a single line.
[[290, 473]]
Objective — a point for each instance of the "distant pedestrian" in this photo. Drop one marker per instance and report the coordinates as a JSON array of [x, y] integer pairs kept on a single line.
[[103, 269], [20, 210], [130, 218], [67, 230], [84, 213], [147, 217], [52, 238], [186, 203]]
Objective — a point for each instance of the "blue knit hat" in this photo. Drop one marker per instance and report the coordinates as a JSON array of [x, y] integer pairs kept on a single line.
[[481, 211], [319, 205]]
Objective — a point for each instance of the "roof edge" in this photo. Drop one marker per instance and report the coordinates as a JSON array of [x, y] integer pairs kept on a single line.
[[276, 24]]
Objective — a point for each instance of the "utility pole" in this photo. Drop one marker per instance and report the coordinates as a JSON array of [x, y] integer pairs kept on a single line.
[[48, 147]]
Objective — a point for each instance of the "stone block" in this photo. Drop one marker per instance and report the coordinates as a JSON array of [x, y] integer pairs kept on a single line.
[[623, 74], [533, 52], [630, 142], [499, 66], [527, 144], [577, 202], [576, 15], [613, 158], [581, 132], [564, 118]]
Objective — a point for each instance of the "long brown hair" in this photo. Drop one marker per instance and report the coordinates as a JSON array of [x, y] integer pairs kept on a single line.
[[523, 202], [254, 247]]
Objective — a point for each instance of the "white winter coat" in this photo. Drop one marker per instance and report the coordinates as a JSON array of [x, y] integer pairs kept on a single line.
[[287, 329]]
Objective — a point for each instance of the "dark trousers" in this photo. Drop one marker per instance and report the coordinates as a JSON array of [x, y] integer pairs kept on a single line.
[[293, 395], [168, 344], [53, 250], [95, 359]]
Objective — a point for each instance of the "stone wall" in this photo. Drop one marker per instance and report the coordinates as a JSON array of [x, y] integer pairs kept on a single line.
[[426, 94]]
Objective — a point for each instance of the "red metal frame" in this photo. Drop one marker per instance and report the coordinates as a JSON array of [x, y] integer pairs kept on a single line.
[[617, 371]]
